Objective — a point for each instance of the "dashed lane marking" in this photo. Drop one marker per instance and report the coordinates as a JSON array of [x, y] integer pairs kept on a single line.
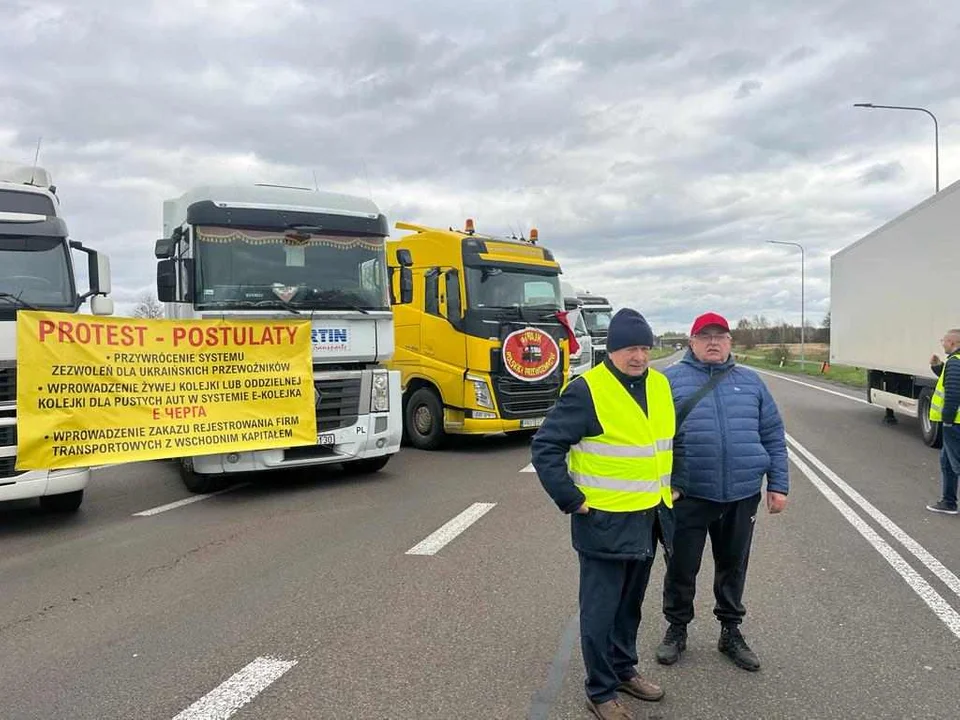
[[436, 540], [186, 501], [237, 690]]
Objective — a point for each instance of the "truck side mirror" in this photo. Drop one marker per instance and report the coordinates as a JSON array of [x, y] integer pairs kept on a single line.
[[98, 271], [164, 248], [404, 258], [454, 312], [167, 281], [101, 305], [406, 284]]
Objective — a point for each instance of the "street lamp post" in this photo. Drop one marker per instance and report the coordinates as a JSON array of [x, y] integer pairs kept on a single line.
[[936, 131], [803, 318]]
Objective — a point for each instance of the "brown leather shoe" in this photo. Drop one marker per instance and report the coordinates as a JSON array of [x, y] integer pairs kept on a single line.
[[640, 688], [609, 710]]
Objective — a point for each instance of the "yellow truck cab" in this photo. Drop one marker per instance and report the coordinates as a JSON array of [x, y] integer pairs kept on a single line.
[[481, 348]]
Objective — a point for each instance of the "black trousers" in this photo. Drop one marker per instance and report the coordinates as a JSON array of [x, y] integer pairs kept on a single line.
[[730, 526], [611, 593]]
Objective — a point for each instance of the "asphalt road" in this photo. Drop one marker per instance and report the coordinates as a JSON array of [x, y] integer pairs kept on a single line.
[[299, 596]]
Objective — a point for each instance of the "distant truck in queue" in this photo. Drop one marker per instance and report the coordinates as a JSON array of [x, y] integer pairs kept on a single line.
[[581, 357], [481, 348], [37, 273], [292, 253], [597, 313], [892, 296]]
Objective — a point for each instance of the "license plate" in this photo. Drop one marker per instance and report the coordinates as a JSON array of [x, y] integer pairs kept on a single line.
[[531, 422], [327, 439]]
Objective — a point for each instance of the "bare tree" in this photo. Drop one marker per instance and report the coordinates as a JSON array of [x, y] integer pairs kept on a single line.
[[148, 307]]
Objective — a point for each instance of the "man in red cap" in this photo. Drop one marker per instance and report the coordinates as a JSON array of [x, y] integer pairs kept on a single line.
[[729, 436]]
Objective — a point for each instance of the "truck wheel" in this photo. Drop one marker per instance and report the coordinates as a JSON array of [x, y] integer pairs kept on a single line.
[[62, 503], [424, 420], [367, 465], [931, 431], [199, 482]]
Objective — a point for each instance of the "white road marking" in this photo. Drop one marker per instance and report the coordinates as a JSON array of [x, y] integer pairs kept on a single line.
[[528, 468], [810, 385], [437, 539], [186, 501], [238, 690], [921, 587], [915, 548]]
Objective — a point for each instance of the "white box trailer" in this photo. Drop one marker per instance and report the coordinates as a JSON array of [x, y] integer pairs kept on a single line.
[[892, 296]]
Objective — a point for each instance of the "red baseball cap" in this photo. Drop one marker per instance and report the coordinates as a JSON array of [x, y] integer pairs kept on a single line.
[[707, 319]]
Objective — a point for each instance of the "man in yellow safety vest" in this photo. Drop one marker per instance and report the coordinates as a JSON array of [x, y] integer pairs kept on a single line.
[[604, 455], [945, 409]]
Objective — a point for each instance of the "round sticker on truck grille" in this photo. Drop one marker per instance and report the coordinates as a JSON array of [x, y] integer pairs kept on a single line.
[[530, 354]]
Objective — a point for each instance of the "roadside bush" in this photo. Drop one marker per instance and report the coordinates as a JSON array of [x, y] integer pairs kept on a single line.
[[774, 355]]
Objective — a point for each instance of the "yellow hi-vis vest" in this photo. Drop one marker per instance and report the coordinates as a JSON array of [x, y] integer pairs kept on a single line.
[[936, 402], [628, 467]]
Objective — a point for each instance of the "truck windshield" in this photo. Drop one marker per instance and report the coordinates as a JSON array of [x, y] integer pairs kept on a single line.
[[596, 320], [250, 268], [36, 271], [497, 287]]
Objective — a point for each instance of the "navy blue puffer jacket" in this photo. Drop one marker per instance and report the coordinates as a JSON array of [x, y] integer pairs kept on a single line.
[[731, 439]]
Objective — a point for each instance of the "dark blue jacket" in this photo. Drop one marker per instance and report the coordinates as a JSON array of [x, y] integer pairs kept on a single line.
[[951, 388], [613, 535], [732, 437]]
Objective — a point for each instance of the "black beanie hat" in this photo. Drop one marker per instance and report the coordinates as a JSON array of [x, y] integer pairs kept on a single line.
[[628, 328]]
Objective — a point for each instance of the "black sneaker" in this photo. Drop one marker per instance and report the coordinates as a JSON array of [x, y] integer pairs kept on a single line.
[[735, 647], [674, 643], [941, 507]]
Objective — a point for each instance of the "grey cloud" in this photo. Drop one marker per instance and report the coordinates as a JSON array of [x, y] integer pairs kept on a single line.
[[883, 173], [798, 55], [747, 88]]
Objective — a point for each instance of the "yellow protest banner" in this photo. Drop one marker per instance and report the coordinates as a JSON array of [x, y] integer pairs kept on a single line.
[[95, 391]]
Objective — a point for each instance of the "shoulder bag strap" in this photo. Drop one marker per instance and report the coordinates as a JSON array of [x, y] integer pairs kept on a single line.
[[692, 401]]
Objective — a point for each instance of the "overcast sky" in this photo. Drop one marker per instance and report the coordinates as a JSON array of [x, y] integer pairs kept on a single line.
[[655, 145]]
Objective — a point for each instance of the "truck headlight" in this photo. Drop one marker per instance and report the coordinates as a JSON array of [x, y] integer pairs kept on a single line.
[[380, 393], [481, 391]]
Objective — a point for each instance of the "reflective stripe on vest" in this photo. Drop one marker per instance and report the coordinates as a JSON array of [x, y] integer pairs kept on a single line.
[[628, 466], [936, 402]]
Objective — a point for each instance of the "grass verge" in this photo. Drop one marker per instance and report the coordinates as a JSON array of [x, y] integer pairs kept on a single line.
[[660, 353], [853, 376]]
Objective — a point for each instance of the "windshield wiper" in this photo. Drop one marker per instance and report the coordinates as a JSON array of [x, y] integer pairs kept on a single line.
[[16, 299], [335, 296], [251, 304]]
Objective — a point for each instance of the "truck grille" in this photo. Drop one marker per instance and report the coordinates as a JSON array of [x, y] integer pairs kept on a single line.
[[518, 399], [8, 384], [339, 404], [8, 467], [8, 435]]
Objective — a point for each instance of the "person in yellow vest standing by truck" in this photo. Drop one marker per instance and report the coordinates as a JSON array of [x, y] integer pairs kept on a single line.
[[945, 409], [604, 454]]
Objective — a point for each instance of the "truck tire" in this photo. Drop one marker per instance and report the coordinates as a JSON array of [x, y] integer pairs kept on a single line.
[[62, 503], [931, 431], [367, 465], [199, 483], [423, 418]]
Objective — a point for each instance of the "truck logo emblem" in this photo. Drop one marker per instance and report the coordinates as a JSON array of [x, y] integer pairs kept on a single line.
[[530, 354], [330, 339], [285, 292]]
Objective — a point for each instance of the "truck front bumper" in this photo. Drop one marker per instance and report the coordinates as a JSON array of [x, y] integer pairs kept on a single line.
[[37, 483], [457, 424], [372, 435]]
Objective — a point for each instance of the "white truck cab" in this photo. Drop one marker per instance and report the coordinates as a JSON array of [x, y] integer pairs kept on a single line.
[[263, 251], [37, 273]]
